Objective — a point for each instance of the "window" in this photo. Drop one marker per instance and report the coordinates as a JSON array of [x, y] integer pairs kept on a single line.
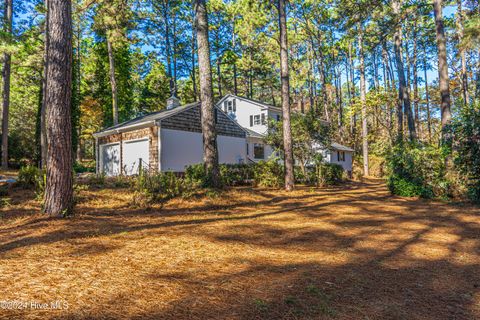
[[278, 117], [256, 119], [258, 151], [247, 149], [230, 107], [340, 156]]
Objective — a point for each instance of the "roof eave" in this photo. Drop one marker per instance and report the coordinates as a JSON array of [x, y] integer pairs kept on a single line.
[[140, 125]]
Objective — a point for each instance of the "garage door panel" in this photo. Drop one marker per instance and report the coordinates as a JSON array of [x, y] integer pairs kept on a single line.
[[133, 151], [110, 161]]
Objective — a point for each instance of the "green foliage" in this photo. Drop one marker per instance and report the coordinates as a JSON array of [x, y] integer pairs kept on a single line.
[[466, 147], [97, 180], [81, 167], [308, 132], [28, 176], [236, 174], [269, 173], [230, 174], [324, 174], [4, 189], [31, 177], [417, 170], [158, 187]]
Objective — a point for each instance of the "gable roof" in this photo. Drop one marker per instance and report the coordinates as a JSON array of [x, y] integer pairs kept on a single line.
[[144, 120], [338, 146], [259, 103]]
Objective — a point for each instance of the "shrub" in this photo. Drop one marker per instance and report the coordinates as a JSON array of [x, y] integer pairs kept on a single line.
[[323, 174], [230, 174], [466, 148], [81, 167], [31, 177], [4, 190], [28, 176], [195, 174], [97, 180], [157, 187], [417, 170], [122, 181], [236, 174], [269, 174]]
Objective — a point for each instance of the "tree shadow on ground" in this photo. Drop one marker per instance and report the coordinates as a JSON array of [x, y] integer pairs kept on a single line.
[[342, 253]]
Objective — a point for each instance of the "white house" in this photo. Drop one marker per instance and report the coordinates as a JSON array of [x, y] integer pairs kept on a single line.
[[171, 139], [167, 140], [253, 116]]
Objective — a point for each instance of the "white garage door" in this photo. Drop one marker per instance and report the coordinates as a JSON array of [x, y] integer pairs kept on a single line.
[[110, 159], [133, 151]]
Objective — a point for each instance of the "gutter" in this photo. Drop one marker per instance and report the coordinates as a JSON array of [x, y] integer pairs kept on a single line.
[[140, 125]]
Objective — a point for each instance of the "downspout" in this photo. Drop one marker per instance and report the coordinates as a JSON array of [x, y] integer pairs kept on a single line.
[[96, 156], [159, 156]]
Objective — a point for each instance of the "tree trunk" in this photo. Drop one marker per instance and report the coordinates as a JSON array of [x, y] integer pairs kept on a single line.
[[427, 94], [175, 47], [402, 90], [235, 84], [194, 79], [210, 153], [59, 190], [284, 74], [6, 83], [463, 73], [415, 77], [168, 48], [407, 108], [442, 64], [43, 111], [363, 94], [353, 120], [387, 84], [113, 81]]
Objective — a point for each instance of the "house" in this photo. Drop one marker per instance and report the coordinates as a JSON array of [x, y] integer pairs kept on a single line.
[[338, 154], [167, 140], [253, 116], [171, 139]]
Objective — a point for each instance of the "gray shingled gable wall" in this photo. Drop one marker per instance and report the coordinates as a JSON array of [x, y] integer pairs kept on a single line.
[[189, 120]]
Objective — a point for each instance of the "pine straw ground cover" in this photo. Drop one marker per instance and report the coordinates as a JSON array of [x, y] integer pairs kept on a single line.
[[349, 252]]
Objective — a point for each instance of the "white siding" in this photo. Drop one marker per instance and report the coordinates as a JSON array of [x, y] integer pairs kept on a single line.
[[133, 151], [110, 159], [244, 110], [231, 149], [347, 164], [182, 148]]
